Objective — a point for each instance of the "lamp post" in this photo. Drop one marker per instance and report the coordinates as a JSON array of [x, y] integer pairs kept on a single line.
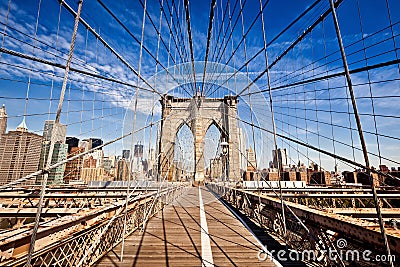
[[225, 149]]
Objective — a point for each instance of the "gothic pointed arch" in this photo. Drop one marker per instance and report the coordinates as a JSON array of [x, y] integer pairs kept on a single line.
[[198, 113]]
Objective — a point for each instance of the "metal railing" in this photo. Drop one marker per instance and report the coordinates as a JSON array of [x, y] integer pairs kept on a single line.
[[79, 246], [311, 229]]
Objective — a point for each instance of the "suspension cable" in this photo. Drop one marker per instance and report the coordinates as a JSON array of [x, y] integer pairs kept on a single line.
[[308, 30], [105, 43], [209, 32], [189, 30], [54, 132]]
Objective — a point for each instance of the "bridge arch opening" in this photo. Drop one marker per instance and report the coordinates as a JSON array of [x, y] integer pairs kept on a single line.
[[220, 86], [212, 152], [182, 168]]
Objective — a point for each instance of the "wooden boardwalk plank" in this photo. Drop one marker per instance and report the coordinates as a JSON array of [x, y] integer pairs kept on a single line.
[[173, 237]]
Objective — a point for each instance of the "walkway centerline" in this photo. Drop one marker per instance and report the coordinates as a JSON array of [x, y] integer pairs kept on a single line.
[[206, 253]]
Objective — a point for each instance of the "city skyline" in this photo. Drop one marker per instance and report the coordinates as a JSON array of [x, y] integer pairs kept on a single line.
[[220, 132], [116, 112]]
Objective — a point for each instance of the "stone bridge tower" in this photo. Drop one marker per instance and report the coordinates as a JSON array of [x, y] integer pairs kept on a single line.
[[198, 113]]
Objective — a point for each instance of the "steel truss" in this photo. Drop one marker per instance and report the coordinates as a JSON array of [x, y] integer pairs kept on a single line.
[[310, 229], [71, 240]]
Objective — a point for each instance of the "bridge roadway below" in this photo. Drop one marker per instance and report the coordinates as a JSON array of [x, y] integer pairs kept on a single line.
[[195, 230]]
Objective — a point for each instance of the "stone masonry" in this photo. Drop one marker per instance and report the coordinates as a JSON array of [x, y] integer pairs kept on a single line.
[[198, 113]]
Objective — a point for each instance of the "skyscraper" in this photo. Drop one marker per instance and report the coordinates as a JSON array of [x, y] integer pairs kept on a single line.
[[122, 170], [93, 163], [56, 175], [126, 153], [94, 142], [137, 160], [19, 151], [73, 167], [3, 120], [251, 165], [251, 158], [71, 142], [58, 137], [242, 149], [138, 152], [280, 157], [151, 162]]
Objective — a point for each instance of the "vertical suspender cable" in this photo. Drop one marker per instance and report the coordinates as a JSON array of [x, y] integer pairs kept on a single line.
[[19, 157], [247, 76], [279, 167], [392, 33], [30, 69], [190, 42], [53, 71], [329, 97], [360, 132], [152, 117], [158, 31], [133, 128], [210, 22], [369, 83], [315, 102], [53, 134], [155, 86]]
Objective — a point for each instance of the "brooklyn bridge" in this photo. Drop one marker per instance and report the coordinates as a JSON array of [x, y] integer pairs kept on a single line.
[[195, 133]]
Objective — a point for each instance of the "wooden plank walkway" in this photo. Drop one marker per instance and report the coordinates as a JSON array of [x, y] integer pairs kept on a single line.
[[174, 237]]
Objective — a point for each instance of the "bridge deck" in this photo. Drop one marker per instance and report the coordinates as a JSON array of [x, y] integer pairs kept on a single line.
[[178, 237]]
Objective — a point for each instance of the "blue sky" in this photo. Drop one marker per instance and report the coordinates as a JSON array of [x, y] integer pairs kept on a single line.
[[99, 108]]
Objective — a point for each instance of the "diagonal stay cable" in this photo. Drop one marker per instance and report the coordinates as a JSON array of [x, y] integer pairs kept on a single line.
[[293, 44], [220, 43], [126, 63], [61, 66], [50, 47], [112, 14], [172, 9], [210, 23], [173, 35], [53, 134], [287, 76], [352, 162], [219, 55], [138, 41], [60, 163], [178, 29], [171, 26], [224, 16], [190, 41], [230, 37], [270, 42], [329, 76]]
